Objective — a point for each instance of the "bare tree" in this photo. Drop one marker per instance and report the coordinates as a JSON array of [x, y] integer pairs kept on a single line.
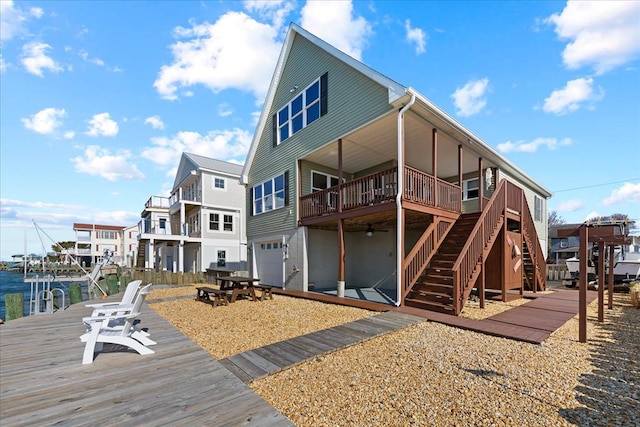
[[554, 219]]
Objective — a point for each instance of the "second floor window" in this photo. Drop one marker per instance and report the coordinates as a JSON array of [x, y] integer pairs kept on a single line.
[[537, 201], [107, 235], [270, 195], [219, 183], [214, 222]]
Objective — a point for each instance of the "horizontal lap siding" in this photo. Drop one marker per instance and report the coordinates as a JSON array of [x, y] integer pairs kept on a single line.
[[353, 100], [541, 226]]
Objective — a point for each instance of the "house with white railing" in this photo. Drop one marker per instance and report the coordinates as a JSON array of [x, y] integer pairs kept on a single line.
[[201, 225]]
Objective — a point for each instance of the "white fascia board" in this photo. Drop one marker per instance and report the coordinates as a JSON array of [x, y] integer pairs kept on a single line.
[[484, 148]]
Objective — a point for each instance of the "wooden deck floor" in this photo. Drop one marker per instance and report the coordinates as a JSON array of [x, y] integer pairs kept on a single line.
[[43, 381], [272, 358], [531, 322]]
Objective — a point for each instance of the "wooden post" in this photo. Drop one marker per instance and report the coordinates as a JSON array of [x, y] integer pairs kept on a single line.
[[601, 281], [480, 185], [582, 284], [341, 252], [611, 277], [434, 163]]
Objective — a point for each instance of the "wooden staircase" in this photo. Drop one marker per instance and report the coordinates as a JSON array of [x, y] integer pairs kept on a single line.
[[434, 290], [142, 250]]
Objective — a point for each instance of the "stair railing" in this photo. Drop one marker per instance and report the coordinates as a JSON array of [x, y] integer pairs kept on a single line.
[[474, 249], [530, 235], [425, 248]]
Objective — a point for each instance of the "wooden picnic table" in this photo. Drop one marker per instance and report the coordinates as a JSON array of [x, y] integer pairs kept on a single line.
[[239, 285]]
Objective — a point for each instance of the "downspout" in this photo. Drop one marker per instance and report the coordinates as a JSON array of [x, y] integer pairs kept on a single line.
[[399, 234]]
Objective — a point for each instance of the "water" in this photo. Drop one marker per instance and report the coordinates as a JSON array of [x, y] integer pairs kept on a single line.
[[13, 282]]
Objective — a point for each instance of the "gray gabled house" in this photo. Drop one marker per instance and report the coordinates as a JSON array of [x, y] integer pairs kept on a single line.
[[361, 187]]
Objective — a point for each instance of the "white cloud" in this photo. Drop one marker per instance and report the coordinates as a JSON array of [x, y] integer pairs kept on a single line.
[[45, 121], [155, 122], [116, 217], [12, 20], [532, 147], [36, 12], [602, 34], [35, 60], [628, 193], [222, 145], [333, 22], [85, 56], [224, 110], [113, 167], [572, 96], [234, 52], [592, 215], [274, 11], [417, 36], [470, 98], [69, 134], [570, 206], [102, 125], [13, 203], [3, 65]]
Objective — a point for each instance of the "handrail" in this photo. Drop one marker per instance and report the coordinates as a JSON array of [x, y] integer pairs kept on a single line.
[[472, 251], [533, 243], [424, 249]]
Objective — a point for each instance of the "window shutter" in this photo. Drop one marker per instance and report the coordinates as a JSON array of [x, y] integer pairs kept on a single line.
[[274, 130], [251, 201], [286, 188], [323, 94]]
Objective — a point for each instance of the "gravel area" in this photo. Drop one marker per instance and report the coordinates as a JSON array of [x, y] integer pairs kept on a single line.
[[431, 374], [244, 325]]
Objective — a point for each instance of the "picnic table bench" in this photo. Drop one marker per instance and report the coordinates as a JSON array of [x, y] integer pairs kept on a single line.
[[265, 289], [212, 296]]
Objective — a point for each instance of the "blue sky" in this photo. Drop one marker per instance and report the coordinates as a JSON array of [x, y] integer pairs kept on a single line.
[[99, 99]]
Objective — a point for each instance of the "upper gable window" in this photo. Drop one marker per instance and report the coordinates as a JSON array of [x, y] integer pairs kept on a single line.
[[303, 110], [537, 201], [219, 183]]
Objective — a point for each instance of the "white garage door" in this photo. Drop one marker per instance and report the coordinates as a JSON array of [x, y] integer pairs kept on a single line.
[[269, 261]]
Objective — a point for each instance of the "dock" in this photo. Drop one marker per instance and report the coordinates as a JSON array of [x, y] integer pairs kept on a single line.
[[43, 380]]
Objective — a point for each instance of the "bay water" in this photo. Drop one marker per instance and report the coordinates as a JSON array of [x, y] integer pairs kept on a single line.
[[12, 282]]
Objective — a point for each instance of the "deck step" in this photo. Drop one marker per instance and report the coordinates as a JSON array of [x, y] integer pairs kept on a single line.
[[429, 305]]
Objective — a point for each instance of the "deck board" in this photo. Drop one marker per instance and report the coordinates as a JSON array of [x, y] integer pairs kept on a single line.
[[43, 380], [314, 344]]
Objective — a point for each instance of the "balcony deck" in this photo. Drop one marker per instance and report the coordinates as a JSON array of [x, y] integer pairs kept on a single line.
[[420, 189]]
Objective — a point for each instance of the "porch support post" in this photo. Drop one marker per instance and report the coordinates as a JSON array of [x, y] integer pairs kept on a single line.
[[582, 284], [434, 163], [460, 154], [181, 257], [340, 289], [611, 277], [601, 282], [480, 186]]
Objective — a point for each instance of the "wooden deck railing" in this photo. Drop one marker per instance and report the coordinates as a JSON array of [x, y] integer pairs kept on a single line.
[[530, 235], [424, 249], [382, 187], [473, 251]]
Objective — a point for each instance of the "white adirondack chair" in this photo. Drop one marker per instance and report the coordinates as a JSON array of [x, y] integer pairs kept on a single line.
[[116, 329], [111, 307]]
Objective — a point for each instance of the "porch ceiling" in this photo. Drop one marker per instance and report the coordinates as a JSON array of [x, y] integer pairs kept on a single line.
[[376, 144], [381, 221]]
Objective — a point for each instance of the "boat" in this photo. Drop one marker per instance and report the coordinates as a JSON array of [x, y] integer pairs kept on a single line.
[[626, 267]]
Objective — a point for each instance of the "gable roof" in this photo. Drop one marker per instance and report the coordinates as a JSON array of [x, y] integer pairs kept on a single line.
[[190, 161], [399, 95]]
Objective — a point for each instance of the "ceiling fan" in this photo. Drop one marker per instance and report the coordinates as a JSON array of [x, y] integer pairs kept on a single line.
[[369, 231]]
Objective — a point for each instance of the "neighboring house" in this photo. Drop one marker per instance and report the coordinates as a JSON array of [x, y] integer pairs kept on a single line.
[[130, 246], [562, 248], [92, 240], [201, 225], [359, 186]]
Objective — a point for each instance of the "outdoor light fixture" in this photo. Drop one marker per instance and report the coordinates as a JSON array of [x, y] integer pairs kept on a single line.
[[293, 89], [369, 231]]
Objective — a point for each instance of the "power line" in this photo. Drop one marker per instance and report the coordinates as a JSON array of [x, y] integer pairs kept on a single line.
[[596, 185]]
